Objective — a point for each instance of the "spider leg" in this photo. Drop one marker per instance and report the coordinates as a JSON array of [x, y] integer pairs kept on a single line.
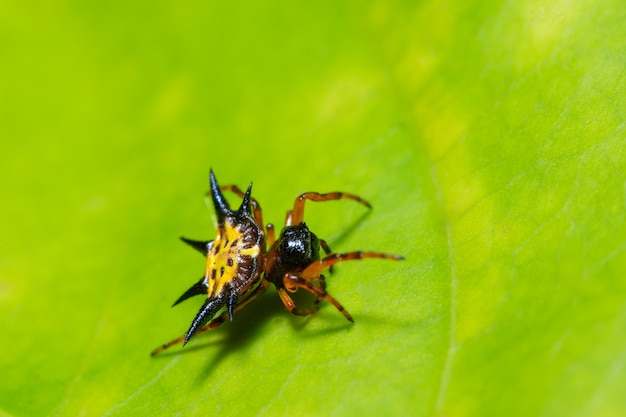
[[294, 281], [256, 207], [288, 217], [296, 215], [217, 321], [291, 306], [327, 250], [322, 281], [271, 234], [325, 246], [313, 271]]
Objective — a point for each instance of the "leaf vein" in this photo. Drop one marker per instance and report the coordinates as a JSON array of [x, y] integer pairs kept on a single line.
[[143, 387]]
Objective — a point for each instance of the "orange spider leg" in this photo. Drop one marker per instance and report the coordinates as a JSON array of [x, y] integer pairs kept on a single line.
[[321, 278], [288, 218], [325, 246], [313, 271], [294, 281], [271, 234], [291, 306], [256, 207], [217, 321], [296, 215], [327, 250]]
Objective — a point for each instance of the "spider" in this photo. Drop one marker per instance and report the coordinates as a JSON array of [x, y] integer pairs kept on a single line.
[[292, 261], [234, 260]]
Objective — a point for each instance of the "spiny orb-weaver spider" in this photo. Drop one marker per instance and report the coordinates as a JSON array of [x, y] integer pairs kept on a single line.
[[239, 267]]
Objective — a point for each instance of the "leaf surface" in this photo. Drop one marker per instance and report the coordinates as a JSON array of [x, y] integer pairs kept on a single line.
[[488, 136]]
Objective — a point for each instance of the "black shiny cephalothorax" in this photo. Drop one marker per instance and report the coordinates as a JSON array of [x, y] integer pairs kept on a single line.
[[296, 248]]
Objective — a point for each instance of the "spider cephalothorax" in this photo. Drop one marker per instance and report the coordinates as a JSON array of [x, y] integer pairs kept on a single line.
[[296, 248], [240, 267]]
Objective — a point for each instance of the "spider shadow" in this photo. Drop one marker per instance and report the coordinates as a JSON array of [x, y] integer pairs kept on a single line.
[[244, 329], [299, 324], [247, 325], [231, 336], [305, 300]]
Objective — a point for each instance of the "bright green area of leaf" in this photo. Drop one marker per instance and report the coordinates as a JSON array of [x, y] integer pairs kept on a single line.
[[488, 135]]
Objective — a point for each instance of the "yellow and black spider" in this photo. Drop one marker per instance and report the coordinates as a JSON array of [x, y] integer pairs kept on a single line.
[[239, 267], [234, 261]]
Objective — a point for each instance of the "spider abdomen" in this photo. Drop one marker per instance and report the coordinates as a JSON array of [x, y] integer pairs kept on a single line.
[[234, 260]]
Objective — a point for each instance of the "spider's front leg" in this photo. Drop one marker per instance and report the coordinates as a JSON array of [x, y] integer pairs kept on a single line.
[[296, 215], [314, 269]]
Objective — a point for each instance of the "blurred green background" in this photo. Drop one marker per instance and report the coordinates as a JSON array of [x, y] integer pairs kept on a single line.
[[488, 135]]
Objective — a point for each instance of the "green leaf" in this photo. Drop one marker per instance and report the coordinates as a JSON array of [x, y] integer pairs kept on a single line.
[[489, 137]]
